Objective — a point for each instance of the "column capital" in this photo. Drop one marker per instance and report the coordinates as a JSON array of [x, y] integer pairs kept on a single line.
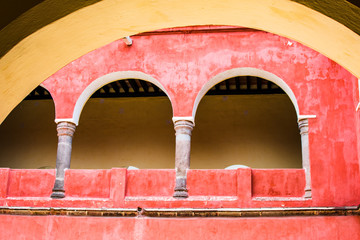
[[66, 128], [303, 126], [183, 127]]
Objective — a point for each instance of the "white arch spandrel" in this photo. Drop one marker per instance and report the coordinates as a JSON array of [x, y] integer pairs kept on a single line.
[[103, 80], [248, 71]]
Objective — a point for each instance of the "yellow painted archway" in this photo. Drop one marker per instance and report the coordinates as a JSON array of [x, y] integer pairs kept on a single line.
[[50, 48]]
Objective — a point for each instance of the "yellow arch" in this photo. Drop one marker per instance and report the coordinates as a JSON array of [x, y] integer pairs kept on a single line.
[[45, 51]]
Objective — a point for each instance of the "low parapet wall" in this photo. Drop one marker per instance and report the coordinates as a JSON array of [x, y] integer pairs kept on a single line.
[[138, 204], [122, 188]]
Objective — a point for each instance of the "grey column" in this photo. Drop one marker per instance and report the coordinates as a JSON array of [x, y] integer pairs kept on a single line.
[[183, 130], [65, 135], [304, 131]]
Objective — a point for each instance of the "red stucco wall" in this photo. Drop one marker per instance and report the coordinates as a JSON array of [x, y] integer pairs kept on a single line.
[[62, 227], [121, 188], [183, 63]]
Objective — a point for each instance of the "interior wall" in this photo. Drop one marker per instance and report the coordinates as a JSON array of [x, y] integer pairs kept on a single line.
[[259, 131], [28, 136], [121, 132]]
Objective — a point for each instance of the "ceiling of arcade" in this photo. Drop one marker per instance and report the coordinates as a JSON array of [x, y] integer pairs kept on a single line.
[[241, 85], [25, 25]]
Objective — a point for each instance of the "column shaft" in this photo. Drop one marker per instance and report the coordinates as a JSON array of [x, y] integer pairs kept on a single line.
[[183, 130], [65, 135], [304, 131]]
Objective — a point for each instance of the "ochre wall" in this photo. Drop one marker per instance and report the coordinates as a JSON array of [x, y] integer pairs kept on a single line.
[[259, 131], [96, 25]]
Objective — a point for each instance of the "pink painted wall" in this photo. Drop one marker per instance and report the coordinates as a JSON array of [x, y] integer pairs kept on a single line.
[[63, 227], [183, 63], [121, 188]]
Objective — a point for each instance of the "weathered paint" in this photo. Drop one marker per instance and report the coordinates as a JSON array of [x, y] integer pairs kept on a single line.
[[30, 183], [121, 188], [267, 183], [97, 183], [184, 63]]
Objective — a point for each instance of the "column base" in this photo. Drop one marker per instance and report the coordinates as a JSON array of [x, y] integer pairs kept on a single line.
[[181, 194], [58, 191], [180, 190], [58, 194], [308, 193]]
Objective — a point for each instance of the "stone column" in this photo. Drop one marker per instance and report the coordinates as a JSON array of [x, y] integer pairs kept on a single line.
[[183, 130], [65, 135], [304, 131]]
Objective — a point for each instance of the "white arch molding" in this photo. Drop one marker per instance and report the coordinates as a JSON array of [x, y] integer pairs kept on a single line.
[[103, 80], [248, 71], [302, 119]]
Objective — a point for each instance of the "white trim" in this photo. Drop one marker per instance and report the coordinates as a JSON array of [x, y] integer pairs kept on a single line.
[[246, 71], [300, 117], [42, 85], [282, 199], [57, 120], [191, 119], [236, 166], [111, 77]]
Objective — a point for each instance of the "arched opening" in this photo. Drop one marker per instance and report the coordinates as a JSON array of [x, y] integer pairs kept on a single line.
[[125, 123], [249, 121], [28, 135]]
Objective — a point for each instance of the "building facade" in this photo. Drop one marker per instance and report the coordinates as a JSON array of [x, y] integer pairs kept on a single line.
[[276, 155]]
